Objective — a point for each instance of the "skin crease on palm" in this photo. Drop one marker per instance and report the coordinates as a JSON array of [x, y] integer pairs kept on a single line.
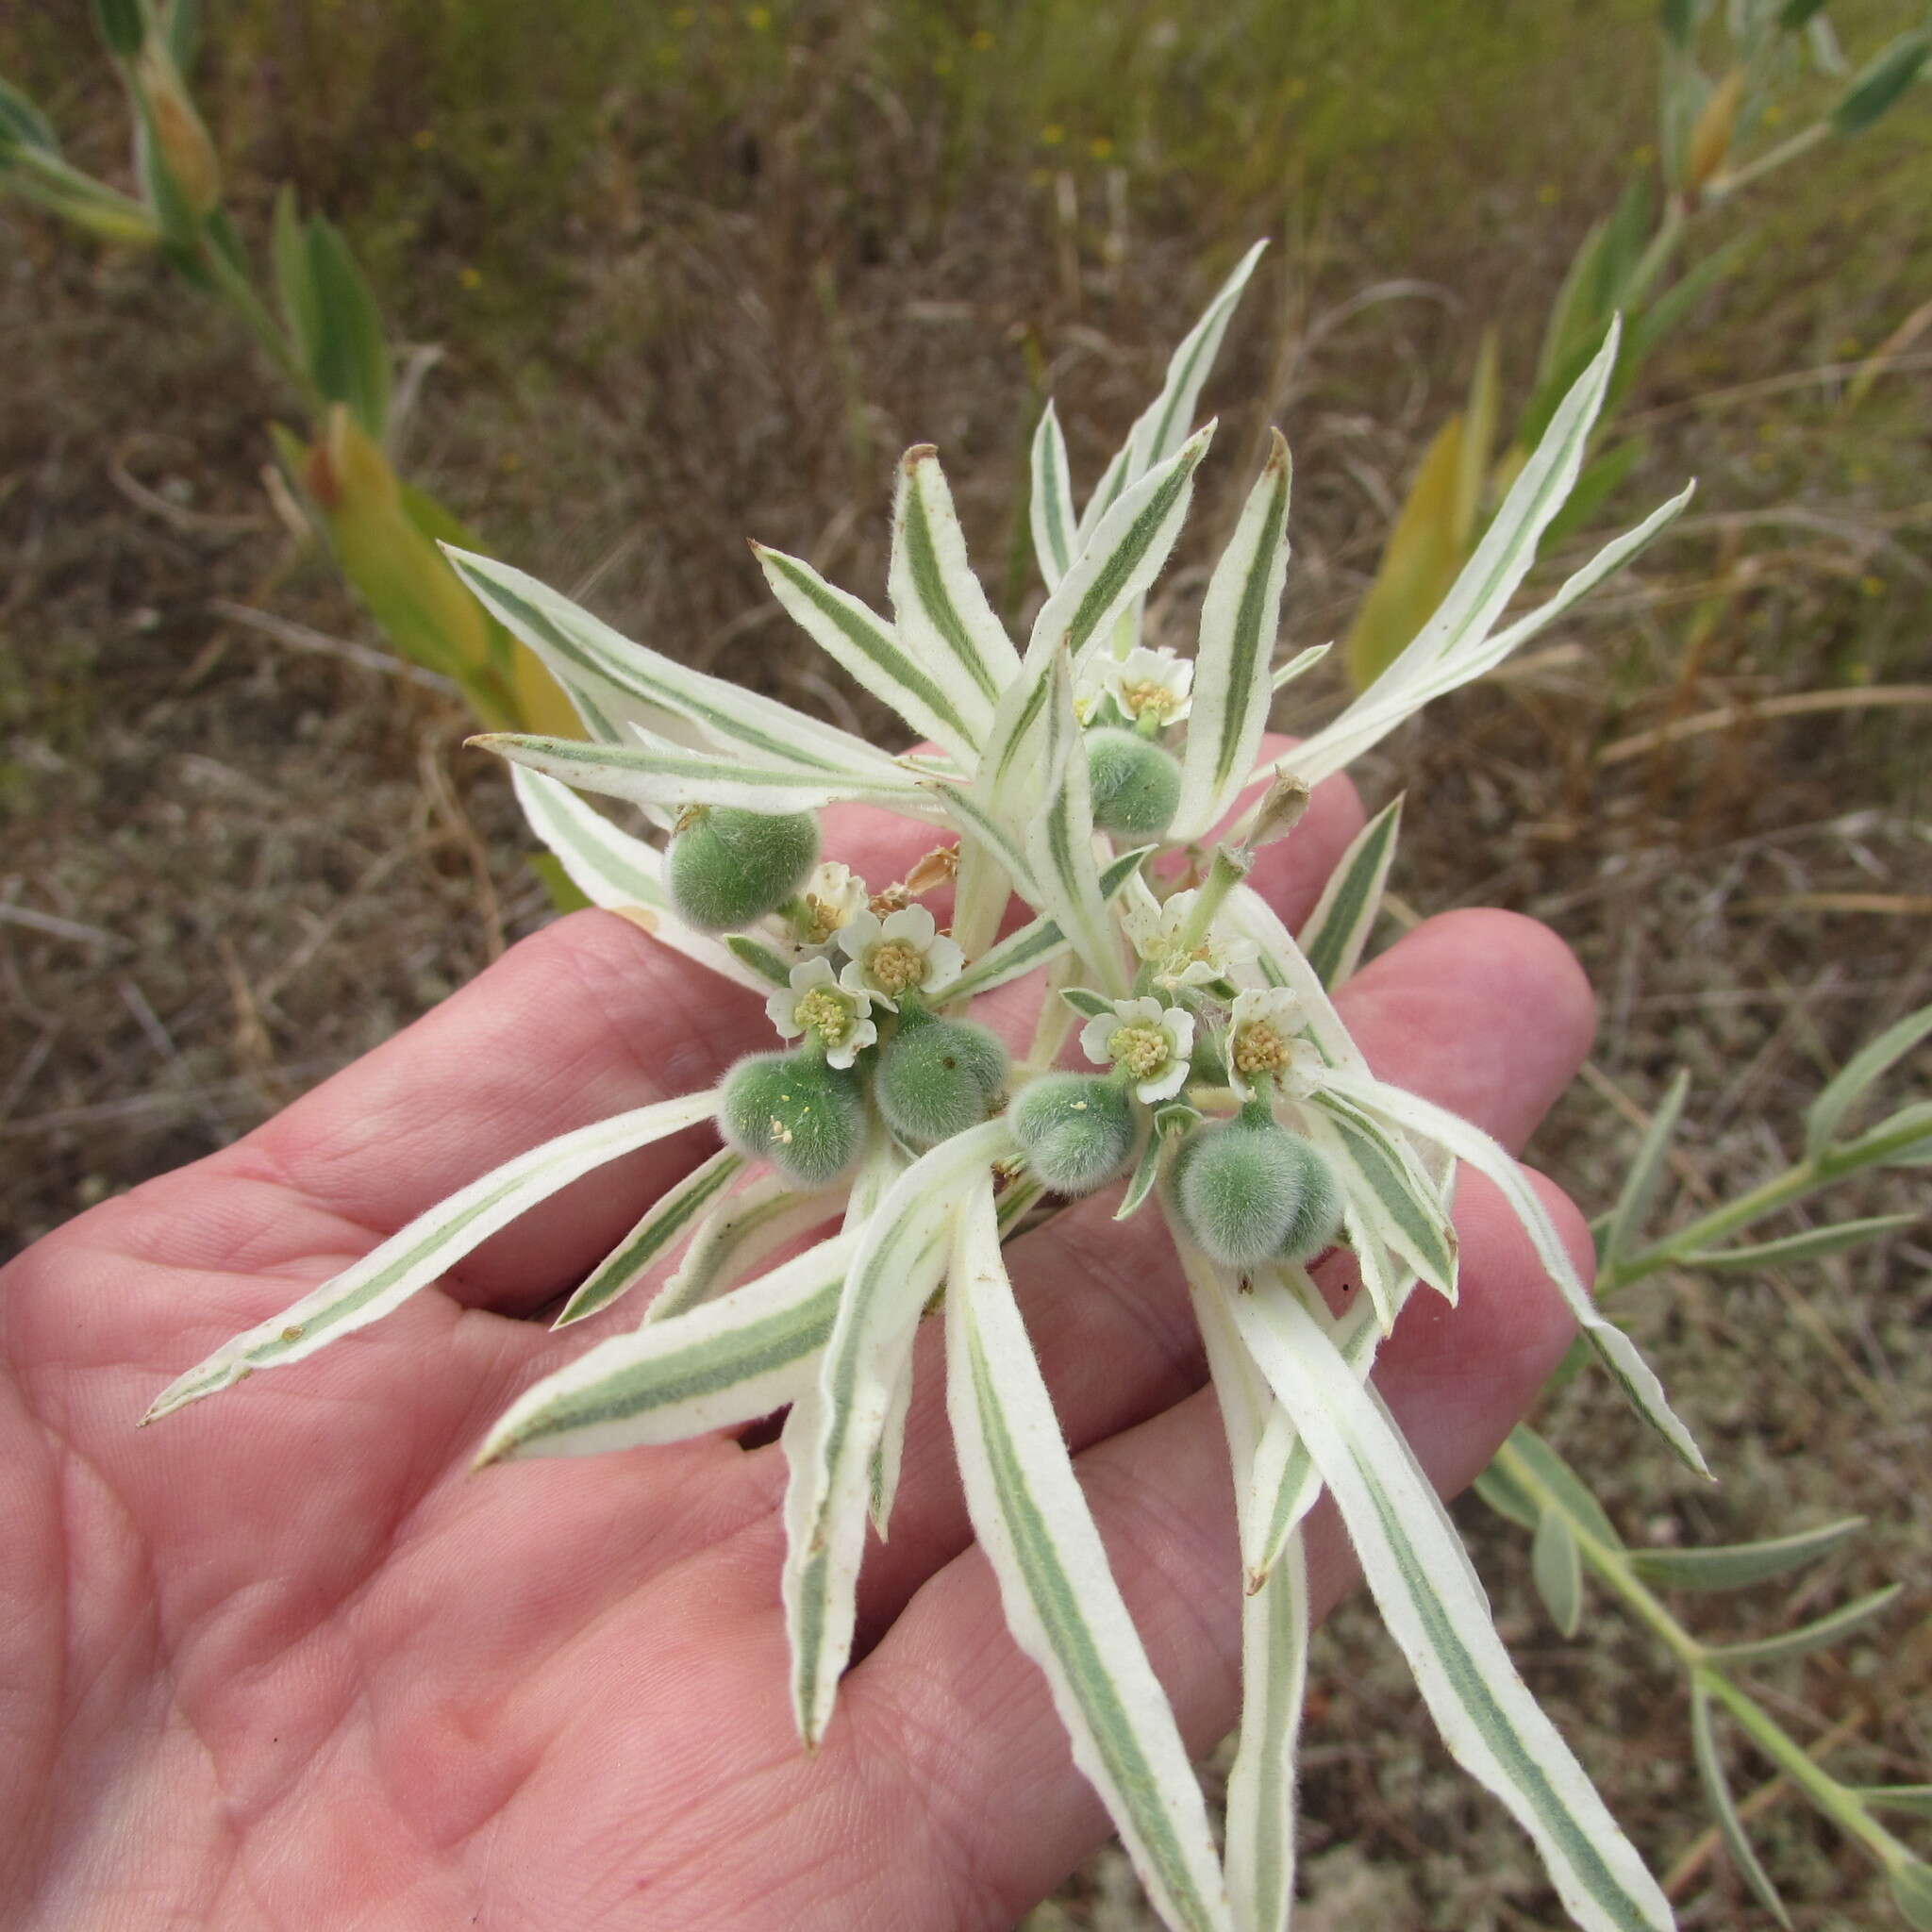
[[282, 1662]]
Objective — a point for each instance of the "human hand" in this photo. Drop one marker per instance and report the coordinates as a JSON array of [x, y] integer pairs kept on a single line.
[[283, 1661]]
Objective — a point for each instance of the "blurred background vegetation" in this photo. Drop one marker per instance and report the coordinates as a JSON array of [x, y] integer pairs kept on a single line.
[[664, 277]]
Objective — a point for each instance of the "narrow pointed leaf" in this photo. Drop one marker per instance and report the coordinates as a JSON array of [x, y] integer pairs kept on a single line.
[[661, 775], [1913, 1799], [1502, 1493], [429, 1247], [1062, 1604], [614, 870], [901, 1255], [737, 1235], [1261, 1784], [1616, 1350], [1121, 557], [1283, 963], [940, 612], [856, 638], [1733, 1566], [729, 1361], [1724, 1807], [1841, 1092], [1413, 1220], [1567, 1491], [1818, 1635], [1628, 1215], [1556, 1564], [1162, 426], [1239, 619], [1438, 1614], [664, 1223], [1812, 1245], [1298, 666], [1339, 928], [1050, 504], [1060, 844], [888, 1457], [765, 963], [1039, 942], [635, 685]]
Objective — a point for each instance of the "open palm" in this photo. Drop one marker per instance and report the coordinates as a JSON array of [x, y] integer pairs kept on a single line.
[[282, 1662]]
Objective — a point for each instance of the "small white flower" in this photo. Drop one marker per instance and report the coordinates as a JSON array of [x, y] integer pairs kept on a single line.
[[839, 1017], [1151, 1042], [1144, 684], [1156, 933], [1264, 1037], [905, 952], [834, 895]]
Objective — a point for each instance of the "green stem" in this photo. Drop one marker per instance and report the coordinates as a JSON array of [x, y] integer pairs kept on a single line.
[[1610, 1564], [1724, 186]]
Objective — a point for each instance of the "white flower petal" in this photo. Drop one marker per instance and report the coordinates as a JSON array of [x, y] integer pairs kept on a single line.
[[944, 963], [863, 1034], [1096, 1033], [858, 932], [912, 924]]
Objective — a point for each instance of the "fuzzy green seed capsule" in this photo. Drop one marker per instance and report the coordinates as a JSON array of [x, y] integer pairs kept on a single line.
[[1251, 1192], [937, 1077], [1077, 1130], [1136, 784], [791, 1108], [726, 867]]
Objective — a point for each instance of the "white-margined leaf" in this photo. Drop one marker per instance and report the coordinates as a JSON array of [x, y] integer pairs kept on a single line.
[[1162, 426], [1436, 1610], [1050, 499], [613, 870], [1724, 1808], [1060, 844], [1459, 641], [1819, 1633], [890, 1456], [1261, 1783], [1410, 1214], [1735, 1566], [729, 1361], [1085, 1001], [738, 1235], [431, 1244], [1122, 558], [1238, 618], [1298, 666], [1843, 1090], [942, 615], [1040, 940], [901, 1255], [638, 686], [1061, 1601], [1811, 1244], [661, 775], [767, 966], [665, 1222], [977, 813], [1146, 1172], [1468, 1142], [1627, 1217], [854, 636], [1556, 1565], [1337, 929]]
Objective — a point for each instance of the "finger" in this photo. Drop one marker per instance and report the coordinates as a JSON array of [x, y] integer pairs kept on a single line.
[[1483, 1012], [979, 1762]]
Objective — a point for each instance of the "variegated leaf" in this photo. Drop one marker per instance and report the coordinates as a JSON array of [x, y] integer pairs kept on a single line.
[[1061, 1601], [1162, 426], [1377, 1166], [1468, 1142], [1050, 504], [738, 1235], [613, 870], [664, 1223], [661, 775], [1339, 928], [1261, 1783], [1121, 560], [901, 1255], [729, 1361], [638, 686], [929, 697], [940, 612], [431, 1244], [1436, 1610], [1239, 619]]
